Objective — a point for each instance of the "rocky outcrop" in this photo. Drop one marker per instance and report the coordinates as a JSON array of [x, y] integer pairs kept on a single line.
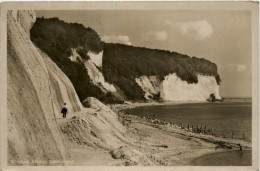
[[36, 89], [172, 88]]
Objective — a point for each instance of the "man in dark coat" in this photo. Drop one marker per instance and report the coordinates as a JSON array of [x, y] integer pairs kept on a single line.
[[64, 110]]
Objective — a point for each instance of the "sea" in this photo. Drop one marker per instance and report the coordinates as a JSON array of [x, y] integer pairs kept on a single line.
[[227, 158], [231, 117]]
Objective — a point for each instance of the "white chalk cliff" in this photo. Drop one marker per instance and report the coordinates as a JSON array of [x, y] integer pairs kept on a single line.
[[150, 85], [94, 72], [96, 58], [32, 130], [172, 88], [36, 90]]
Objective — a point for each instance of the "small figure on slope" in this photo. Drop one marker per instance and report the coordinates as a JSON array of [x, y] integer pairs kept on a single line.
[[64, 110]]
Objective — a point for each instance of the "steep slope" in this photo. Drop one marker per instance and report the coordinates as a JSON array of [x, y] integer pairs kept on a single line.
[[61, 88], [37, 87], [22, 16], [33, 97]]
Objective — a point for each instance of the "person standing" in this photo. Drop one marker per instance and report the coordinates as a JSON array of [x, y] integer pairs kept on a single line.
[[64, 110], [240, 147]]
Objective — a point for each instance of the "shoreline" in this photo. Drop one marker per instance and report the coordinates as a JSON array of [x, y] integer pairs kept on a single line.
[[217, 144], [130, 105], [122, 107]]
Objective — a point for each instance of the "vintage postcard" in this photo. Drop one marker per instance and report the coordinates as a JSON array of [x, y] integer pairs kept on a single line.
[[130, 85]]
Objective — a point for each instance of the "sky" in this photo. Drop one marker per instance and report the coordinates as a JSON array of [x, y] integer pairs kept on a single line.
[[221, 36]]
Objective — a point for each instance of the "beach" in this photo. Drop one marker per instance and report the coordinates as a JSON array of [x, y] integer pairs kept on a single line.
[[169, 144]]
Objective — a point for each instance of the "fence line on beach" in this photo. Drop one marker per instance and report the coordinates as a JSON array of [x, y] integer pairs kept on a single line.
[[191, 128]]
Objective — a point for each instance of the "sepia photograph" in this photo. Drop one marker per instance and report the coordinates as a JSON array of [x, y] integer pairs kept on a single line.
[[130, 84]]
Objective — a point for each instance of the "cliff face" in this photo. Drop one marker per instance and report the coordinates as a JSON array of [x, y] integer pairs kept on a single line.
[[93, 66], [22, 16], [159, 75], [172, 88], [36, 90], [151, 85], [61, 88]]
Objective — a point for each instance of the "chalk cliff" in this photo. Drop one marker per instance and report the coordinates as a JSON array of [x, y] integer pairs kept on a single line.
[[26, 18], [155, 74], [151, 85], [36, 90], [93, 66], [172, 88]]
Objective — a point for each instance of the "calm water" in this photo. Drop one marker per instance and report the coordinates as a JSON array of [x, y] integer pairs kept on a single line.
[[225, 118], [235, 158]]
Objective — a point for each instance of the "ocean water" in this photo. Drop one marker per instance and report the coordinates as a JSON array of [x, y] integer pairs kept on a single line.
[[228, 158], [232, 116]]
